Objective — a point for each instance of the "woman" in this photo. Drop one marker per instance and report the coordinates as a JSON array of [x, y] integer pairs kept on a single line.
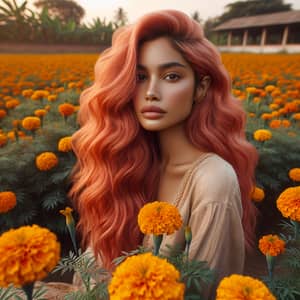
[[159, 123]]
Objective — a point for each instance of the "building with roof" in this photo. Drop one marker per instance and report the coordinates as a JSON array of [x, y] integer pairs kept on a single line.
[[268, 33]]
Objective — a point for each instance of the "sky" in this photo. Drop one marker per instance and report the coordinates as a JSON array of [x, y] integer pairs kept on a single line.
[[136, 8]]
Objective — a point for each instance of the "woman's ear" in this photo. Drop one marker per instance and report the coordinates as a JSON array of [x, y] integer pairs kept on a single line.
[[202, 88]]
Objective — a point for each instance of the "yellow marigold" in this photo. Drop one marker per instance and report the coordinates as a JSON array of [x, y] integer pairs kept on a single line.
[[158, 218], [146, 277], [46, 161], [258, 194], [294, 174], [269, 88], [40, 112], [3, 139], [66, 109], [262, 135], [67, 212], [64, 144], [239, 287], [31, 123], [271, 245], [8, 201], [288, 203], [273, 106], [3, 113], [27, 254]]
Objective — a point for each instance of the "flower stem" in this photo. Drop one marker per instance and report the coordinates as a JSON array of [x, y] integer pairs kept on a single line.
[[157, 239], [296, 229], [28, 289], [270, 263]]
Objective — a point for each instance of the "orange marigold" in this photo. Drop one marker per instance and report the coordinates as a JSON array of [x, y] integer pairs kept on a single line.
[[159, 218], [40, 112], [288, 203], [262, 135], [286, 123], [3, 139], [31, 123], [239, 287], [52, 98], [66, 109], [8, 201], [46, 161], [271, 245], [27, 254], [275, 124], [294, 174], [146, 277], [258, 194], [296, 116], [64, 144], [3, 113]]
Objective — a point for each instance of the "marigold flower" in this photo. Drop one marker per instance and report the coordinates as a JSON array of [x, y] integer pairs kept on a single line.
[[266, 116], [40, 112], [3, 139], [262, 135], [241, 287], [39, 94], [31, 123], [294, 174], [27, 254], [269, 88], [52, 98], [27, 93], [64, 144], [286, 123], [146, 277], [66, 109], [12, 103], [296, 116], [271, 245], [3, 113], [251, 90], [275, 124], [8, 201], [159, 218], [258, 194], [288, 203], [252, 115], [46, 161]]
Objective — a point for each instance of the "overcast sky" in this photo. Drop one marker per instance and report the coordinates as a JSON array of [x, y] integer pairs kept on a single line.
[[136, 8]]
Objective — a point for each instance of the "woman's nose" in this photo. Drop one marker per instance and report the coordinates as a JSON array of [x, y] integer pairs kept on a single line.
[[152, 91]]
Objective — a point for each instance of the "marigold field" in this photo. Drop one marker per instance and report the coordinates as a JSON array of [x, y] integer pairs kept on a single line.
[[38, 106]]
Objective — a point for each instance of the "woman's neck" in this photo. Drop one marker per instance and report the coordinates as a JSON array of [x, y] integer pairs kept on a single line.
[[175, 147]]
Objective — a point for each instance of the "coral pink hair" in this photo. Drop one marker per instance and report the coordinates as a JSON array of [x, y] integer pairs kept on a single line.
[[118, 161]]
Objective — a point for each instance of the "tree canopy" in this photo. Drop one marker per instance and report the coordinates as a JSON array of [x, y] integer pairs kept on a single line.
[[252, 8], [64, 10]]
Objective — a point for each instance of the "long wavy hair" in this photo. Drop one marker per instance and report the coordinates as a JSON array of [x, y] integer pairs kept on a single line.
[[117, 170]]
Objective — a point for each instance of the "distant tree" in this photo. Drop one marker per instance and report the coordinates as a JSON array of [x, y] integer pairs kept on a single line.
[[120, 17], [252, 8], [196, 16], [64, 10]]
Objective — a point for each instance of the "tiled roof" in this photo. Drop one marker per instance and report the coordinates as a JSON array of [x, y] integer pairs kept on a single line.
[[286, 17]]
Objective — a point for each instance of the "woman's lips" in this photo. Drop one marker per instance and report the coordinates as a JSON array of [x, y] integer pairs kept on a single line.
[[152, 112]]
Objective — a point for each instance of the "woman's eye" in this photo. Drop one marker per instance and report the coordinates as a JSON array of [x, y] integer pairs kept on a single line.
[[140, 77], [172, 76]]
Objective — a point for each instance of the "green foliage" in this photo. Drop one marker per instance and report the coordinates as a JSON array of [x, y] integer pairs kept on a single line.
[[13, 293], [40, 194], [286, 282]]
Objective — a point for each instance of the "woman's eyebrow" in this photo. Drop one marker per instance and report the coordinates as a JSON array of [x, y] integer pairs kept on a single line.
[[163, 66]]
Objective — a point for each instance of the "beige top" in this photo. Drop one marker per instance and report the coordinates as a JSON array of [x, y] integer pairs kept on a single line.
[[209, 201]]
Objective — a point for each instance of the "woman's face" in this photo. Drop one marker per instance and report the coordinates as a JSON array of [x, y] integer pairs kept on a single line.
[[165, 87]]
